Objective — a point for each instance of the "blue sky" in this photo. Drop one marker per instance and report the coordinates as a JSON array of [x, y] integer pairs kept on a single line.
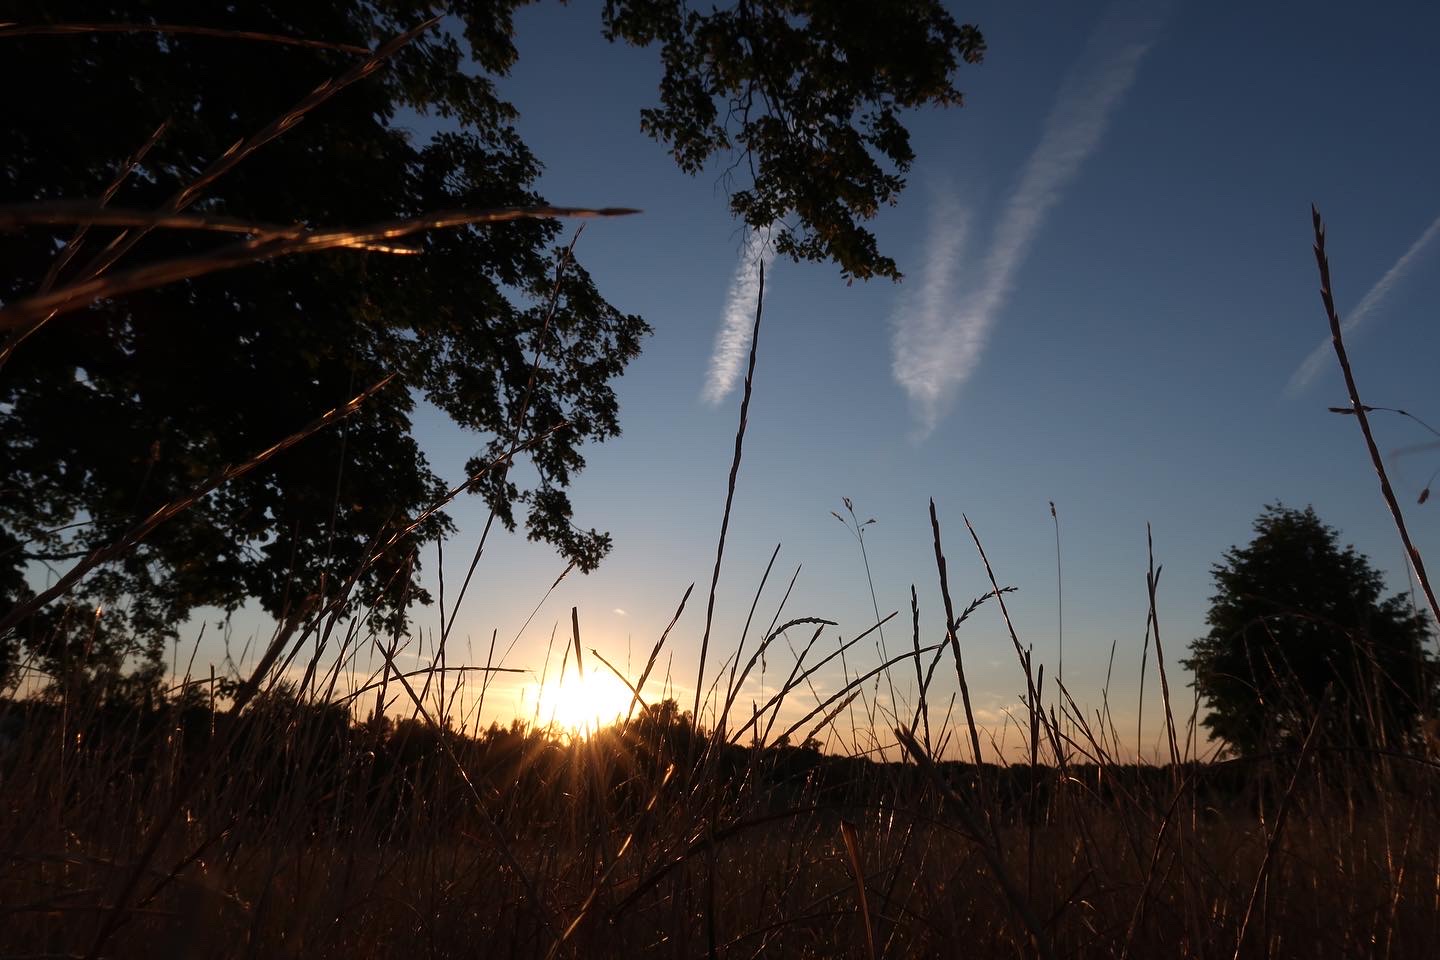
[[1109, 292]]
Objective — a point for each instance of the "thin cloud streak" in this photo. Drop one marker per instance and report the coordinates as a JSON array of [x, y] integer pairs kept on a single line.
[[1368, 304], [732, 342], [940, 336], [926, 319]]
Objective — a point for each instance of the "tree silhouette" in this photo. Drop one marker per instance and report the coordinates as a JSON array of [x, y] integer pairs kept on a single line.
[[1299, 627], [126, 404]]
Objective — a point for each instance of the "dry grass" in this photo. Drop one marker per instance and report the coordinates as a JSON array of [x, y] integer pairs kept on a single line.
[[289, 827], [300, 832]]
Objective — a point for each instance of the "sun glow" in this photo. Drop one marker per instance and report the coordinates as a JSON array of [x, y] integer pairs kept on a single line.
[[583, 706]]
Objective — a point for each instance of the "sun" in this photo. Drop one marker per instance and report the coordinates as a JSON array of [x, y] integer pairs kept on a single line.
[[583, 706]]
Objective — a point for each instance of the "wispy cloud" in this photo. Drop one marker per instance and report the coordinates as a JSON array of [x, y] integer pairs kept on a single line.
[[931, 353], [941, 331], [1367, 305], [619, 612], [733, 340]]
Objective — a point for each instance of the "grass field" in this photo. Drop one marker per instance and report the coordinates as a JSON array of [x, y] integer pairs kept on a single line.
[[304, 827]]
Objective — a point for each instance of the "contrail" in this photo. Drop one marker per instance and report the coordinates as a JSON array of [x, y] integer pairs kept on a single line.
[[939, 336], [733, 339], [926, 319], [1367, 305]]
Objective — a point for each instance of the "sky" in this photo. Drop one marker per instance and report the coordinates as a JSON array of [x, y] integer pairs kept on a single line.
[[1110, 302]]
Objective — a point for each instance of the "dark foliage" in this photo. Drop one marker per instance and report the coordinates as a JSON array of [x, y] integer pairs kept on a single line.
[[111, 411], [114, 411], [810, 94], [1300, 627]]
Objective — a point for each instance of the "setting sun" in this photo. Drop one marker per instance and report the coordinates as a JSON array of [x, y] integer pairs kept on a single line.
[[582, 706]]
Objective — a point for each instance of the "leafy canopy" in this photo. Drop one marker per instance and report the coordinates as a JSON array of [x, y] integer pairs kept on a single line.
[[1299, 626], [810, 92], [111, 411]]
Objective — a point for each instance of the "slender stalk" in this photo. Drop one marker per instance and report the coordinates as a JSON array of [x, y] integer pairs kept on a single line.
[[951, 639], [1338, 340], [1152, 583], [730, 494], [1024, 657], [26, 315], [1059, 598]]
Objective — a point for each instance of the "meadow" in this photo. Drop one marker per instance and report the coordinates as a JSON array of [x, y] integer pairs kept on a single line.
[[270, 816], [297, 828]]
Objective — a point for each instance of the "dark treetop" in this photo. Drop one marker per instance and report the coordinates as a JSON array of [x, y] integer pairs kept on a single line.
[[110, 411]]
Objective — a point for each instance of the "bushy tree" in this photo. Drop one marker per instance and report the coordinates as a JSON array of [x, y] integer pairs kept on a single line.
[[1300, 627], [112, 410]]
